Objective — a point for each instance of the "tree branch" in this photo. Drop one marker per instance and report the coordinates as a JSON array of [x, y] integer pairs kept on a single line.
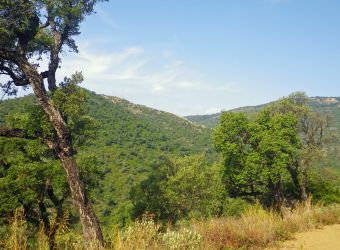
[[54, 57], [50, 192], [15, 132], [44, 74], [17, 80]]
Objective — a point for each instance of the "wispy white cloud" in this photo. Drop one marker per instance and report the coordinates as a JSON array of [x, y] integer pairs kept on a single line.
[[156, 79]]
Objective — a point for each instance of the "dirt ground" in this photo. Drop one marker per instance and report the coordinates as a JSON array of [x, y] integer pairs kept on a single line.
[[327, 238]]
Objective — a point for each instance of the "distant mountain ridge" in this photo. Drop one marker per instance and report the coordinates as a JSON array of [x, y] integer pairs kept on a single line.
[[319, 103], [325, 105]]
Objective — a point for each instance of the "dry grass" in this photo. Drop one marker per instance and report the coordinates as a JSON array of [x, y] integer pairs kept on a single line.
[[255, 229], [17, 238], [258, 228]]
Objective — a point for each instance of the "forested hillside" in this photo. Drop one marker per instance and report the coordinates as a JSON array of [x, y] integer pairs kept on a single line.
[[130, 139], [132, 165]]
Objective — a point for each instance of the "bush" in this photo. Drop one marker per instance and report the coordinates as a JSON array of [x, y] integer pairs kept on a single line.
[[143, 234], [235, 207], [180, 188]]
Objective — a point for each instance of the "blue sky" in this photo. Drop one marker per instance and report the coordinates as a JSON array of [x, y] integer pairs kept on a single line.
[[202, 56]]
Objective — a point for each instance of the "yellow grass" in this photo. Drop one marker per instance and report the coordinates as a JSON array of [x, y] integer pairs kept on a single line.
[[258, 228], [255, 229], [17, 239]]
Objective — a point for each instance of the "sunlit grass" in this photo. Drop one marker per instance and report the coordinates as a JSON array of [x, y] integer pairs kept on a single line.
[[256, 228]]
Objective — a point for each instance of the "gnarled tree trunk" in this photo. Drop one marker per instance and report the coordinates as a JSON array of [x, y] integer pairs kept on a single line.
[[62, 146]]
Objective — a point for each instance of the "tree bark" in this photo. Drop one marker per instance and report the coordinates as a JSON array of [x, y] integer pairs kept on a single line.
[[300, 186], [88, 219], [62, 146]]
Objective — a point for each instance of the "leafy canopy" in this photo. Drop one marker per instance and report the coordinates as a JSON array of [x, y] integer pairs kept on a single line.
[[36, 29], [180, 188]]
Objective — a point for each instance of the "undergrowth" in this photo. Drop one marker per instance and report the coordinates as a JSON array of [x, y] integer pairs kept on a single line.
[[256, 228]]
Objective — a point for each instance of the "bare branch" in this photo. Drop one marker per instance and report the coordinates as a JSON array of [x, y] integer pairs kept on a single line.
[[57, 202], [54, 57]]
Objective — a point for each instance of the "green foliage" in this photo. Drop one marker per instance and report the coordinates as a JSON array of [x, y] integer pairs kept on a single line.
[[179, 189], [126, 140], [19, 21], [272, 157], [90, 172], [30, 175], [21, 24], [71, 99], [131, 139], [256, 153], [235, 206], [24, 170], [324, 185], [127, 144]]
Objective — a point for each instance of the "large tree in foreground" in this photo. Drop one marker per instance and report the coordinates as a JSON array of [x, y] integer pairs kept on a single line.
[[264, 156], [35, 29]]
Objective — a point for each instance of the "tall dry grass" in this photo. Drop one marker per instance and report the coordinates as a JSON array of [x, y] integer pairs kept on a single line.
[[17, 237], [257, 228], [254, 229]]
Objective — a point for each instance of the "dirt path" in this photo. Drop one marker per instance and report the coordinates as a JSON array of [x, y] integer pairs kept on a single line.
[[327, 238]]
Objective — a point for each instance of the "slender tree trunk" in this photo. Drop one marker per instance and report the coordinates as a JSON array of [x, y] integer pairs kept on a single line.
[[62, 146], [276, 197], [303, 193], [300, 186]]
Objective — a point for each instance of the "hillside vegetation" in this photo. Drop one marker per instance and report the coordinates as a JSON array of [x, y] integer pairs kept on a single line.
[[156, 180], [326, 105], [129, 140]]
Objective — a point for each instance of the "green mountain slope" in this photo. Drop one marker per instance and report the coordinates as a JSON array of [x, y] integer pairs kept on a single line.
[[130, 139]]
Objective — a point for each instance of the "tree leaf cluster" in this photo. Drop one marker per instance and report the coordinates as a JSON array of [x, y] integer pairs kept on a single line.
[[180, 188], [265, 156]]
